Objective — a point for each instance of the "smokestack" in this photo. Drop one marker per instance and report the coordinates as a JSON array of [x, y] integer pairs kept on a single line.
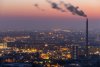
[[87, 38], [75, 11]]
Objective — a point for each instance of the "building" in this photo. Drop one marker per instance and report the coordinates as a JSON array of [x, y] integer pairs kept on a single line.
[[3, 45], [75, 52]]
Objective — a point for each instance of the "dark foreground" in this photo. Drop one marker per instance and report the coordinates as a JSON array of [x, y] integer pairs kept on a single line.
[[55, 63]]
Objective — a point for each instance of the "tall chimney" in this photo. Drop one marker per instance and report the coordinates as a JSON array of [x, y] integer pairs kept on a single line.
[[87, 50]]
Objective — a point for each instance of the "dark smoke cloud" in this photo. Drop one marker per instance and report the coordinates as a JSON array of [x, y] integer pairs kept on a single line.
[[55, 6], [71, 8], [37, 6], [74, 10]]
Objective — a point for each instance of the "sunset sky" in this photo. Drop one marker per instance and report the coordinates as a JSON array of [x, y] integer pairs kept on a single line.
[[23, 15]]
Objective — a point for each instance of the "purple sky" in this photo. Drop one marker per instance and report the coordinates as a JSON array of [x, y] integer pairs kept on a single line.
[[31, 23]]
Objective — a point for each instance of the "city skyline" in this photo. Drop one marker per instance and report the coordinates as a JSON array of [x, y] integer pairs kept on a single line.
[[23, 15]]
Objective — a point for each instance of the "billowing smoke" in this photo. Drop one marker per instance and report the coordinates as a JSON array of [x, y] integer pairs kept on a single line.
[[37, 6], [55, 6], [71, 8], [74, 10]]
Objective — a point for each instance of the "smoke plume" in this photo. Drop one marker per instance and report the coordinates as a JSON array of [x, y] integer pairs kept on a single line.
[[74, 10], [71, 8], [37, 6], [55, 6]]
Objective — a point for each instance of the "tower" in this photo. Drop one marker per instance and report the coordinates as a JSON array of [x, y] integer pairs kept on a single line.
[[87, 38]]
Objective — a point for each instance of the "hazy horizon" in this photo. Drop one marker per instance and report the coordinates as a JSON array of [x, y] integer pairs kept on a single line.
[[22, 15]]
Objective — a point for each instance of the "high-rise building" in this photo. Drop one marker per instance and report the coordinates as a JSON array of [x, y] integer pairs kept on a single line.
[[75, 52]]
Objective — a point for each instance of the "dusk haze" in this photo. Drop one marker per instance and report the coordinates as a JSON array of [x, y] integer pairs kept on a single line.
[[23, 15]]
